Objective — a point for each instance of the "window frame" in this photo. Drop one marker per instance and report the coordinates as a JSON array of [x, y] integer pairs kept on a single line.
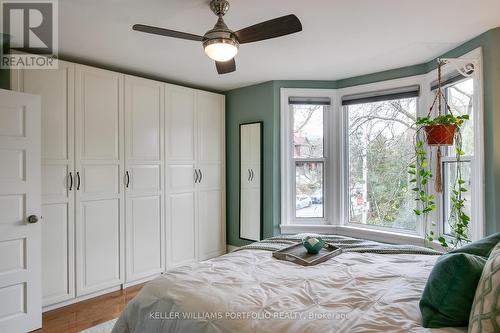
[[445, 195], [381, 86], [288, 161]]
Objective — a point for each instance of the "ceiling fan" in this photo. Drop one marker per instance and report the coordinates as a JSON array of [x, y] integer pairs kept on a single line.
[[221, 43]]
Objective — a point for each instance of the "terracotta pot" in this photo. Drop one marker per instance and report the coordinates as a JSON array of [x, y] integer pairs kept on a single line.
[[440, 135]]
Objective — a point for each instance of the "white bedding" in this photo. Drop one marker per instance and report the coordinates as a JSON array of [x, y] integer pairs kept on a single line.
[[353, 292]]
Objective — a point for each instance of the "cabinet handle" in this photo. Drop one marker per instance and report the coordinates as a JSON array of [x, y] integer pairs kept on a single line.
[[70, 181], [249, 175], [201, 175], [195, 176], [78, 181], [128, 179], [32, 219]]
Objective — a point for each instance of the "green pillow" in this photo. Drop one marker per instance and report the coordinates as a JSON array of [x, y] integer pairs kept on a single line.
[[481, 247], [449, 292]]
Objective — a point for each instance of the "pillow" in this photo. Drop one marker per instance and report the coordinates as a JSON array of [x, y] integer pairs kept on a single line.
[[449, 292], [481, 247], [486, 309]]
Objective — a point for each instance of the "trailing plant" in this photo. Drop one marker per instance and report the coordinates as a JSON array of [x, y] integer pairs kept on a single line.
[[458, 219], [447, 119], [421, 179], [421, 174]]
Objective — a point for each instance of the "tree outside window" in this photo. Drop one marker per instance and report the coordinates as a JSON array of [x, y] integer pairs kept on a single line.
[[380, 148]]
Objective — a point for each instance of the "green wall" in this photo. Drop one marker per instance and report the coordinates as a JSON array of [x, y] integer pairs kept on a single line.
[[254, 103], [261, 102]]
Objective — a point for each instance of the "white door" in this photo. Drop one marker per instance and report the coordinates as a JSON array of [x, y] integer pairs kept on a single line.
[[180, 144], [56, 88], [20, 213], [144, 111], [210, 133], [99, 179]]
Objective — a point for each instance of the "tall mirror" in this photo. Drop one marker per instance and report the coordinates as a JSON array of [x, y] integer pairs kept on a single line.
[[251, 181]]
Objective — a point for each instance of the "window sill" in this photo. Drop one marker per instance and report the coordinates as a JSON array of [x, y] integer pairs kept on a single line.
[[350, 231]]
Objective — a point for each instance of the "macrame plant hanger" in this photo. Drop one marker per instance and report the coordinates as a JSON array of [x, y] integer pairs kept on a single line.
[[440, 97]]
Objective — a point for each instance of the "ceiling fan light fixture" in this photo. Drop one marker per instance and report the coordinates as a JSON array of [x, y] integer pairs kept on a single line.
[[221, 43], [221, 49]]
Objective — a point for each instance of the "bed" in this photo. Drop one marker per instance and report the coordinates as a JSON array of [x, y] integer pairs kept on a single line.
[[250, 291]]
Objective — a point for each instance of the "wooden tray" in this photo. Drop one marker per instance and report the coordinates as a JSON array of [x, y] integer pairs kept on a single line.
[[298, 254]]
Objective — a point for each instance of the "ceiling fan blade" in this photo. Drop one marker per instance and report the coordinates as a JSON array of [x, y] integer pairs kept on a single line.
[[226, 66], [166, 32], [277, 27]]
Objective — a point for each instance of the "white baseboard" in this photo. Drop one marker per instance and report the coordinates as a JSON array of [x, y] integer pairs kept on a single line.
[[98, 293], [139, 281], [80, 299]]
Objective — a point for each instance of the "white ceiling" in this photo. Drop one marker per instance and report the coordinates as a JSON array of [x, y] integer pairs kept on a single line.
[[340, 38]]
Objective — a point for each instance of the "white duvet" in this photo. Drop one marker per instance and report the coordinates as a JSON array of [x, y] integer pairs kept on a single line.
[[250, 291]]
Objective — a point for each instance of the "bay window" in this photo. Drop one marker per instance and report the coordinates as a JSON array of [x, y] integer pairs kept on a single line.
[[345, 156]]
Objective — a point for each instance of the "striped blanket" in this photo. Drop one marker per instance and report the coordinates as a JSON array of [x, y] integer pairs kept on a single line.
[[347, 244]]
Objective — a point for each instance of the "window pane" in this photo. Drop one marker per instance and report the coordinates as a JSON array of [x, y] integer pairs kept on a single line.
[[380, 149], [449, 179], [308, 131], [460, 99], [309, 189]]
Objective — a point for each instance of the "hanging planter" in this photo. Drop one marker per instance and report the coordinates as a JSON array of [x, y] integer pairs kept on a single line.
[[441, 130], [434, 132], [440, 135]]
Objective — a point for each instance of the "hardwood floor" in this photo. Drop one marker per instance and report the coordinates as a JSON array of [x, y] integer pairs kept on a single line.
[[76, 317]]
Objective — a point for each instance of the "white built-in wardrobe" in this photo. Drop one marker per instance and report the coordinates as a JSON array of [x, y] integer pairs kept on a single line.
[[133, 178]]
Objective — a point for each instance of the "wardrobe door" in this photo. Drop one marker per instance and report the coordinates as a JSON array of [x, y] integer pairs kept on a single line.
[[56, 88], [144, 111], [211, 208], [180, 147], [99, 179]]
